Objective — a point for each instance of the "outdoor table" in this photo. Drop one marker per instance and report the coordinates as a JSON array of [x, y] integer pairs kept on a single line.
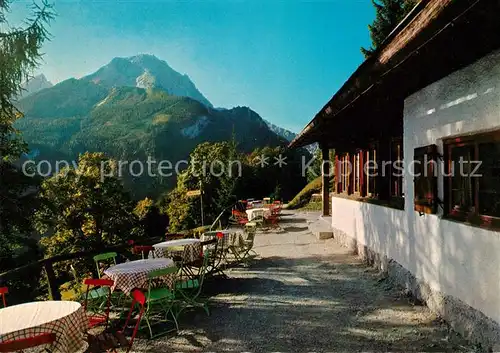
[[134, 274], [66, 319], [230, 238], [256, 204], [187, 249], [254, 213]]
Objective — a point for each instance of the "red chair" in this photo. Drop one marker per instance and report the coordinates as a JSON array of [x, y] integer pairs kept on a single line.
[[108, 342], [3, 291], [274, 217], [143, 250], [137, 298], [98, 289], [26, 343], [239, 218]]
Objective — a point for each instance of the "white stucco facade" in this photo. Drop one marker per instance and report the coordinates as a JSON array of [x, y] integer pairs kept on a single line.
[[451, 257]]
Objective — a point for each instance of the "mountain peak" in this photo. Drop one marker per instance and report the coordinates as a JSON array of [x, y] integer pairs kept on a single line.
[[143, 56], [35, 84], [146, 71]]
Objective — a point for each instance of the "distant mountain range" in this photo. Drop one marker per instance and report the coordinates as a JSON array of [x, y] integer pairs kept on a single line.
[[289, 136], [286, 134], [130, 109]]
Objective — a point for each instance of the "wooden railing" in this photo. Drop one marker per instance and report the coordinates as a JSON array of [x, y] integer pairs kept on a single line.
[[48, 263]]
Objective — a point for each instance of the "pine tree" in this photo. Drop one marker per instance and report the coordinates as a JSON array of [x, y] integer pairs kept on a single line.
[[19, 56], [389, 13]]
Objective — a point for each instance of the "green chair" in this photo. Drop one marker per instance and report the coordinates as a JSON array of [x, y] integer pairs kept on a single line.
[[108, 259], [245, 253], [103, 258], [160, 299], [189, 289]]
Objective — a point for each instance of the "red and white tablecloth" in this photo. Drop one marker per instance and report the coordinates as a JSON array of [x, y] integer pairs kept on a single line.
[[187, 249], [66, 319], [134, 274], [229, 238]]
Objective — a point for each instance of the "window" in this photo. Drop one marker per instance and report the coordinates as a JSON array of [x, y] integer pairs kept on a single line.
[[371, 170], [472, 181], [489, 183], [397, 168], [344, 173], [356, 173], [425, 179]]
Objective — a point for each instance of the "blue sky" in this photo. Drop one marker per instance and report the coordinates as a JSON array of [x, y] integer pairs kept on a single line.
[[284, 59]]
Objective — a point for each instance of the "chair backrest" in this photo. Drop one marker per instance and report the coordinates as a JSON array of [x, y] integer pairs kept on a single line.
[[3, 292], [103, 257], [137, 298], [25, 343], [250, 238], [162, 272]]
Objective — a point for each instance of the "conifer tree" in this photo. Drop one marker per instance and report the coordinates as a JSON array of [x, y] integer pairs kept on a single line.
[[20, 52], [388, 14]]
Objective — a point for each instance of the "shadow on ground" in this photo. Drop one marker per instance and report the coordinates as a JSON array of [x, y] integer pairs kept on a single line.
[[309, 304]]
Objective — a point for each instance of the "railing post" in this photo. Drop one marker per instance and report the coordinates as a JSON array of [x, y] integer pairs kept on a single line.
[[54, 293]]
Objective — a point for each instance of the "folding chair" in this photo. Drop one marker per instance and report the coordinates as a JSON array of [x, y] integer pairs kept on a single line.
[[108, 342], [3, 292], [101, 258], [160, 299], [238, 218], [98, 293], [26, 343], [189, 289], [244, 253], [273, 218]]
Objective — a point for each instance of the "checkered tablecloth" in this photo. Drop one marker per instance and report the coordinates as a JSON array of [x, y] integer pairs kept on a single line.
[[134, 274], [254, 213], [64, 318], [187, 249], [230, 238]]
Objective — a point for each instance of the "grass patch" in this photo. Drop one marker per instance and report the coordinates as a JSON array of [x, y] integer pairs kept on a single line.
[[312, 206], [304, 196]]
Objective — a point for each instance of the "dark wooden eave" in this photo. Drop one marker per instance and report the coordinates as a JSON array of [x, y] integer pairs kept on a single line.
[[438, 38]]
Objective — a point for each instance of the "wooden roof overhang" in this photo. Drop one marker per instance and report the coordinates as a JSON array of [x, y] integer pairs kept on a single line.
[[436, 39]]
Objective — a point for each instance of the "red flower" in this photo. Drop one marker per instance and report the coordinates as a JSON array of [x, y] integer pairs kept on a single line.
[[220, 235]]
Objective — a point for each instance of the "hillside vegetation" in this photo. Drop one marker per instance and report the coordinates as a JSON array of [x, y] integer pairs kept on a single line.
[[108, 112]]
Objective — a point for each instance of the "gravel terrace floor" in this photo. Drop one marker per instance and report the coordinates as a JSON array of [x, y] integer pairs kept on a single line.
[[306, 295]]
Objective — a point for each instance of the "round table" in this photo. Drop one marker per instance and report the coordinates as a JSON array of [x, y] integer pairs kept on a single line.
[[187, 249], [229, 237], [254, 213], [66, 319], [134, 274]]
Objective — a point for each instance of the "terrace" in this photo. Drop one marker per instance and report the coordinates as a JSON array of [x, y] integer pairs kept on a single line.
[[303, 294]]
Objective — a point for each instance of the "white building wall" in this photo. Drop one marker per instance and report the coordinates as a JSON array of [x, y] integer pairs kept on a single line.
[[451, 257]]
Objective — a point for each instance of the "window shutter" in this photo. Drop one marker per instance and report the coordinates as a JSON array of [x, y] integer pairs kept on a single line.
[[425, 179]]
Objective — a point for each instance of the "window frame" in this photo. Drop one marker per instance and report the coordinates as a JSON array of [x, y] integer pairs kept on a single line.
[[396, 182], [428, 203], [474, 216]]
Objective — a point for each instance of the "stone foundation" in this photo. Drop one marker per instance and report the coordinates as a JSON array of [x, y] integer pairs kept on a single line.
[[469, 322]]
